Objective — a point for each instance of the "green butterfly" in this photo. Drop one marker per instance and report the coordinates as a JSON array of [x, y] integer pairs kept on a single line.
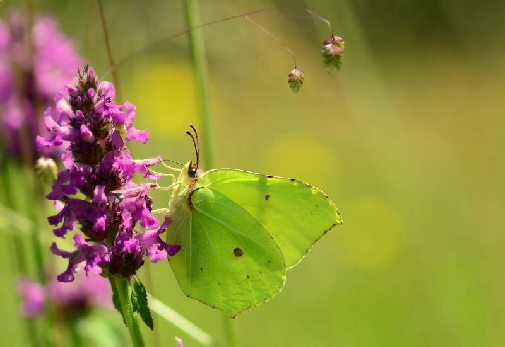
[[240, 232]]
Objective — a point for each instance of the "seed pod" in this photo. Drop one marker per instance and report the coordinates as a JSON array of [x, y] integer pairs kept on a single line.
[[296, 79], [333, 53]]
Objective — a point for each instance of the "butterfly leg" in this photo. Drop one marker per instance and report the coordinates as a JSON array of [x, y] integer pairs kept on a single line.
[[170, 168], [160, 211], [167, 188], [172, 176]]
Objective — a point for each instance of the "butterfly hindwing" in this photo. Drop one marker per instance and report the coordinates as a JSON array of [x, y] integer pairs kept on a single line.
[[227, 259], [294, 213]]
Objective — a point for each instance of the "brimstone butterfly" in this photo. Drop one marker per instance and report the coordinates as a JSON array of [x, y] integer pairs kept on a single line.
[[240, 231]]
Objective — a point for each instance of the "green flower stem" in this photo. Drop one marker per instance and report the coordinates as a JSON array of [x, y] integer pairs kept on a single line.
[[124, 290], [202, 80], [75, 336], [18, 248], [229, 331], [34, 209]]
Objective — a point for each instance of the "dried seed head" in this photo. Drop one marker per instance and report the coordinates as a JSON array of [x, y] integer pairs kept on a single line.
[[333, 53], [296, 79]]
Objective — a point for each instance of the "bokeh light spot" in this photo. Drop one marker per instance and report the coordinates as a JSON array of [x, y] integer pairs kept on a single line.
[[372, 235], [302, 157], [164, 94]]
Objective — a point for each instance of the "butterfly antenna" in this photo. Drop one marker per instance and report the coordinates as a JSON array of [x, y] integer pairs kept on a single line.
[[173, 161], [196, 144], [169, 167]]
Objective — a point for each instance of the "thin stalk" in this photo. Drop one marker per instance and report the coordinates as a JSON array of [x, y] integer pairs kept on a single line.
[[180, 322], [200, 65], [202, 79], [124, 290], [34, 207], [115, 76], [154, 44], [262, 28], [229, 331], [75, 336]]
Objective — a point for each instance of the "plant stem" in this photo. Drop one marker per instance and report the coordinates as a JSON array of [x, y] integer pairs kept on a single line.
[[115, 76], [201, 78], [75, 336], [17, 245], [229, 331], [202, 81], [124, 291], [34, 206]]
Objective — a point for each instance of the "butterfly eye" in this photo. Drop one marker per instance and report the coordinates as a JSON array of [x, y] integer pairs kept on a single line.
[[192, 171]]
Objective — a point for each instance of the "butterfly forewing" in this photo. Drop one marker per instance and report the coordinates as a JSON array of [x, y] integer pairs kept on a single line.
[[227, 259], [294, 213]]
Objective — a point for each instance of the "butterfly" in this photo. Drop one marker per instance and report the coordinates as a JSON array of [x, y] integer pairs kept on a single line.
[[240, 232]]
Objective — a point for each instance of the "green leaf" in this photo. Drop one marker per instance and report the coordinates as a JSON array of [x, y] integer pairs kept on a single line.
[[140, 303], [116, 301]]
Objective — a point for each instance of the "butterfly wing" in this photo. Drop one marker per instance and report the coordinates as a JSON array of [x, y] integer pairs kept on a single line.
[[227, 259], [294, 213]]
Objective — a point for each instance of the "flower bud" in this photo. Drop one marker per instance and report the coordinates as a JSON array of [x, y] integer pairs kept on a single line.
[[46, 169], [333, 53], [295, 79]]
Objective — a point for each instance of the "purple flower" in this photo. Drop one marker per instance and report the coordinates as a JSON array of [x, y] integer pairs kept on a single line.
[[32, 295], [29, 83], [68, 301], [95, 190]]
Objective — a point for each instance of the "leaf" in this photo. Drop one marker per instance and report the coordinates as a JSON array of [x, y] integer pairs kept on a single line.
[[140, 303], [116, 301]]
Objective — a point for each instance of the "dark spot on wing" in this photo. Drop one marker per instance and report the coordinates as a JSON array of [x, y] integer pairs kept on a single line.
[[238, 252], [270, 176], [267, 197], [292, 179]]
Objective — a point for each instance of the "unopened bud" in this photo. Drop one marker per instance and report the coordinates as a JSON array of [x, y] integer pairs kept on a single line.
[[295, 79], [46, 169], [333, 53]]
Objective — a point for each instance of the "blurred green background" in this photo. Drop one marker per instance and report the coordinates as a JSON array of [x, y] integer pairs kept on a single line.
[[407, 139]]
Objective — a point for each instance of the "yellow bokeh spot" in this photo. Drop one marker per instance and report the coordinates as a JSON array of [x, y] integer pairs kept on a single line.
[[372, 236], [301, 157], [164, 94]]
